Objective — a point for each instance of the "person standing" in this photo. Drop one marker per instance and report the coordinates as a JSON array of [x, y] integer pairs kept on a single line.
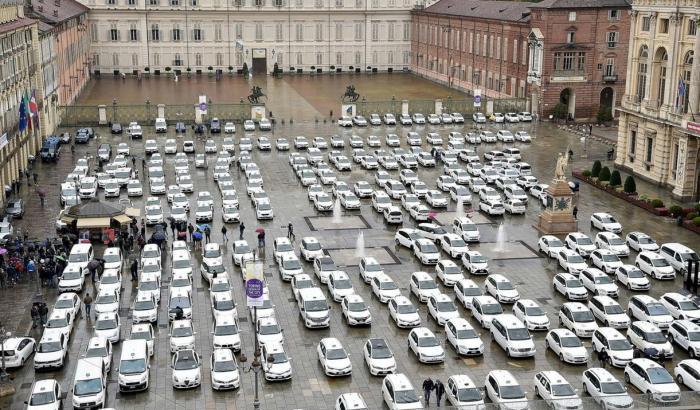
[[31, 269], [207, 233], [223, 233], [172, 226], [575, 212], [428, 387], [43, 313], [87, 301], [241, 229], [134, 270], [290, 232], [602, 357], [41, 197], [36, 320], [36, 178], [439, 391], [190, 229]]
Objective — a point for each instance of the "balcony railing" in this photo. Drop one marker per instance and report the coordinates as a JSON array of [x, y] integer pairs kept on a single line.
[[568, 73], [609, 78]]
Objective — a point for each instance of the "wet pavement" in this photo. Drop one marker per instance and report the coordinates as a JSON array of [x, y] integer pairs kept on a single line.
[[310, 388]]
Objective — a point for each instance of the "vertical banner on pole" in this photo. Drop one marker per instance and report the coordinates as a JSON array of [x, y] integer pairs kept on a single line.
[[477, 97], [254, 284]]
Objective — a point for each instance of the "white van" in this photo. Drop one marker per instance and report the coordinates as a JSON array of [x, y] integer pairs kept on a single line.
[[314, 308], [69, 195], [161, 125], [134, 369], [512, 153], [81, 254], [88, 188], [89, 384], [523, 168], [678, 256]]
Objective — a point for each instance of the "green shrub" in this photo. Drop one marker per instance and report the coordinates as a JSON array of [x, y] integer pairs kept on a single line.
[[604, 114], [595, 170], [697, 208], [604, 174], [675, 210], [560, 111], [691, 215], [696, 221], [245, 69], [630, 185], [615, 178], [656, 203], [586, 173]]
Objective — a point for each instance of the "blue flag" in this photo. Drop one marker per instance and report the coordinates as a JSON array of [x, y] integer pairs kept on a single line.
[[23, 118]]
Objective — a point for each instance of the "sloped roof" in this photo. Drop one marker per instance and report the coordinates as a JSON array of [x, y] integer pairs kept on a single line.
[[493, 10], [94, 209], [15, 24], [579, 4], [63, 9]]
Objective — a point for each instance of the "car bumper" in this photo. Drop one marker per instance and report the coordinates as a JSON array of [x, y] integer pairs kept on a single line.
[[128, 387], [354, 321], [186, 384]]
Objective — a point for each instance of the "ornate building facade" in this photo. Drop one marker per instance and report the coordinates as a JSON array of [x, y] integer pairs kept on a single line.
[[202, 35], [660, 114]]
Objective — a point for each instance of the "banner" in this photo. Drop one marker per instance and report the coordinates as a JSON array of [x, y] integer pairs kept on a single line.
[[477, 98], [254, 284], [203, 106]]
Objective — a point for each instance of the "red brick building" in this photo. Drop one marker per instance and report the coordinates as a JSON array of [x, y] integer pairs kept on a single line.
[[568, 51], [578, 55]]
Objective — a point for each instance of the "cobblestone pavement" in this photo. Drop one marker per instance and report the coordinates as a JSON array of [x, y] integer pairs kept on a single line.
[[310, 388]]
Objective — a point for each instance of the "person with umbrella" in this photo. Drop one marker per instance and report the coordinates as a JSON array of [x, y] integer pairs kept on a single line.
[[197, 238], [92, 268], [261, 237]]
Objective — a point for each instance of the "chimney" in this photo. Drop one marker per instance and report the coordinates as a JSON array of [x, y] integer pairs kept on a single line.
[[55, 13], [40, 8]]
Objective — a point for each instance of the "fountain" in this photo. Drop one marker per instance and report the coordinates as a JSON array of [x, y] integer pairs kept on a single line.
[[337, 217], [360, 245], [460, 207], [501, 239]]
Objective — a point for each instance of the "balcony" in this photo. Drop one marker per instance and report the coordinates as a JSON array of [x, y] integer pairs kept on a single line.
[[610, 78]]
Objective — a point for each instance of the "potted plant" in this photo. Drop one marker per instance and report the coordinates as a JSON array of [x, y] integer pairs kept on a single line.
[[245, 70], [595, 170], [189, 71], [561, 110], [630, 186], [615, 179]]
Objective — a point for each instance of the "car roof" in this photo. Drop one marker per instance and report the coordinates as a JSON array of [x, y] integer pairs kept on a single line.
[[566, 276], [610, 332], [422, 332], [44, 385], [563, 332], [575, 306], [141, 327], [644, 298], [577, 234], [440, 297], [421, 275], [687, 324], [222, 354], [606, 300], [646, 326], [602, 374], [503, 377]]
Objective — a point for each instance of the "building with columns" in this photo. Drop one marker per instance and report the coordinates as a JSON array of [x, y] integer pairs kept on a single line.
[[20, 74], [157, 36], [660, 113]]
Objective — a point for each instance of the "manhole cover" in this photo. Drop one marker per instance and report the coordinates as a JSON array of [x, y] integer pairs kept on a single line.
[[243, 319]]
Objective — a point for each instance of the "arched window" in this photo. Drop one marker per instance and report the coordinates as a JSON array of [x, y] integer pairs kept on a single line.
[[684, 82], [642, 69], [661, 67]]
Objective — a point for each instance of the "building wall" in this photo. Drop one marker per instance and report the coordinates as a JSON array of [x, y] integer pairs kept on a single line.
[[297, 33], [49, 71], [590, 29], [73, 42], [471, 53], [653, 138]]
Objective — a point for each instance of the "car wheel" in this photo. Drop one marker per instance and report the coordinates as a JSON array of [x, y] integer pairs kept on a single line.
[[629, 287], [607, 324], [692, 354], [627, 378], [561, 357], [537, 392], [546, 344], [672, 340], [679, 379], [508, 352], [561, 322], [585, 389]]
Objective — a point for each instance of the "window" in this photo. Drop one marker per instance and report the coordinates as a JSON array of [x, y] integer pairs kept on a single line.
[[662, 71], [674, 171], [299, 32], [359, 4], [612, 37], [613, 15], [177, 33], [339, 3], [300, 59], [406, 31], [338, 58], [193, 3], [114, 33], [198, 59], [515, 51], [375, 31], [94, 35], [319, 4], [135, 60], [239, 59], [239, 3], [131, 3], [155, 32], [390, 57], [476, 44], [358, 32], [642, 68], [581, 61], [692, 27], [609, 67], [153, 2], [375, 58], [319, 31], [115, 60], [650, 149], [632, 142], [646, 23], [217, 32], [258, 31], [572, 16], [219, 59], [96, 59], [133, 33], [239, 31], [375, 4], [178, 60], [663, 26], [319, 58], [279, 35], [197, 33], [175, 2], [684, 82], [156, 59], [391, 3], [300, 3], [111, 2], [259, 3], [358, 58], [570, 37], [390, 31], [338, 31], [406, 57]]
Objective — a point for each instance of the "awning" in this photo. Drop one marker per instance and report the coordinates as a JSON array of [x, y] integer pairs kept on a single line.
[[67, 219], [93, 223], [122, 219], [133, 212]]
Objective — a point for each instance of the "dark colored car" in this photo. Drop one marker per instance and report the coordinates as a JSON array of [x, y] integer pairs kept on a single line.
[[215, 126], [65, 138], [89, 131], [180, 128], [117, 128], [15, 208], [199, 128], [82, 137]]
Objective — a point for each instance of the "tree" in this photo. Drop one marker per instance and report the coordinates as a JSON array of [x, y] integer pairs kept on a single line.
[[561, 110], [604, 114], [630, 186], [615, 179], [595, 170], [604, 174], [245, 70]]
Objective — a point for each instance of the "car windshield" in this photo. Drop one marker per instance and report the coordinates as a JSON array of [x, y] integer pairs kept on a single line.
[[381, 353], [57, 322], [220, 286], [49, 347], [687, 305], [655, 337], [96, 352], [616, 241], [468, 394], [327, 264], [467, 334], [182, 331], [571, 341], [181, 263], [427, 284], [87, 387], [135, 366], [692, 256], [315, 306], [112, 257], [609, 257], [42, 398], [357, 306], [149, 285], [406, 309], [446, 306], [78, 257], [477, 259], [635, 274], [694, 336], [519, 333], [562, 390], [584, 241], [472, 291], [151, 267], [342, 284], [144, 305], [106, 279], [619, 344], [428, 341], [270, 329], [186, 361], [383, 199], [225, 366], [387, 285], [182, 301], [106, 324], [179, 282], [512, 392], [505, 285], [312, 246], [659, 262], [583, 316], [144, 335], [573, 283], [656, 309], [574, 259], [614, 310], [492, 309], [645, 240], [336, 354], [659, 375], [534, 311], [225, 330], [291, 264], [226, 304], [203, 208], [612, 388], [71, 275], [603, 280], [428, 248]]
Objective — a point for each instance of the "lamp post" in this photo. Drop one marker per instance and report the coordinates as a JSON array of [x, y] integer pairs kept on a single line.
[[4, 335], [254, 293]]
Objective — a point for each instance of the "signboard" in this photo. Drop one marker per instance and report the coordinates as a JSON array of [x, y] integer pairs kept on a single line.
[[477, 98], [692, 126], [257, 112], [348, 109], [203, 104], [254, 284], [259, 53], [3, 140]]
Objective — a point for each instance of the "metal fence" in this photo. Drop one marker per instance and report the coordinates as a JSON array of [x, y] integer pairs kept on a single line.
[[80, 115], [464, 106]]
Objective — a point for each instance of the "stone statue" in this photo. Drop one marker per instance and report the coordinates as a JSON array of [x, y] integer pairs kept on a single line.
[[560, 169]]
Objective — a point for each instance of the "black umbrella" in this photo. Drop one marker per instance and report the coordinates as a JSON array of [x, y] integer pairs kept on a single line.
[[158, 236], [93, 264]]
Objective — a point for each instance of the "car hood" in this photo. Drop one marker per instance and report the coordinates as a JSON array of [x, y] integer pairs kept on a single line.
[[186, 374], [620, 400]]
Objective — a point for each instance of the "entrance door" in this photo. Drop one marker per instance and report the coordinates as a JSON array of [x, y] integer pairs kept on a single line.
[[606, 100], [259, 61]]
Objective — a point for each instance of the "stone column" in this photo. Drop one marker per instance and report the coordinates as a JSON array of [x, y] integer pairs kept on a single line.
[[650, 58], [694, 91], [632, 56], [672, 67]]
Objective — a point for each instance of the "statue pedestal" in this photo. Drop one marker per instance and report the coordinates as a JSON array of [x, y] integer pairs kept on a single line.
[[558, 217]]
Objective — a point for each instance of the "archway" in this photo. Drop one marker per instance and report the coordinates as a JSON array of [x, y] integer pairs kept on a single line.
[[567, 97], [607, 99]]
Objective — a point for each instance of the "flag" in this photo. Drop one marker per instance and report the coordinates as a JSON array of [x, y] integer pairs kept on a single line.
[[25, 99], [680, 101], [34, 109], [22, 116]]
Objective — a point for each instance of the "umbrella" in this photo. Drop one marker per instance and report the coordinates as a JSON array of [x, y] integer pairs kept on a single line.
[[59, 258], [260, 230], [3, 251], [158, 236], [203, 227], [41, 191], [93, 264], [197, 236], [432, 215]]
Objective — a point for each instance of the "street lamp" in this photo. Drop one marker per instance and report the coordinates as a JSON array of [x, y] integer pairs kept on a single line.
[[255, 367], [4, 335]]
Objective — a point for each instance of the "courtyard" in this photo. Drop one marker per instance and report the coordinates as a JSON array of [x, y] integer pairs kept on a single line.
[[309, 388]]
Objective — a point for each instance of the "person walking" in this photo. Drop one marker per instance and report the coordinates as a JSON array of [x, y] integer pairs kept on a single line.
[[172, 226], [35, 177], [439, 391], [207, 233], [43, 313], [31, 269], [36, 319], [223, 233], [602, 357], [428, 387], [87, 301], [190, 229], [134, 270], [575, 212], [261, 239], [290, 232], [241, 229]]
